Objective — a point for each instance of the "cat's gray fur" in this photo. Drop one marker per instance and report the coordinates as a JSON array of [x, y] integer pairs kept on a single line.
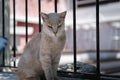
[[42, 54]]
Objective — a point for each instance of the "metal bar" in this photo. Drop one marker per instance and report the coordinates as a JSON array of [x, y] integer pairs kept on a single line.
[[91, 76], [89, 3], [55, 3], [97, 40], [112, 76], [39, 13], [74, 34], [3, 30], [26, 19], [14, 35]]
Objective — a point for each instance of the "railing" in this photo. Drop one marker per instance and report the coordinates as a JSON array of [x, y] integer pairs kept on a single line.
[[75, 74]]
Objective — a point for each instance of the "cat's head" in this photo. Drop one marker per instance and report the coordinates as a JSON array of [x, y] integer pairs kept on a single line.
[[53, 23]]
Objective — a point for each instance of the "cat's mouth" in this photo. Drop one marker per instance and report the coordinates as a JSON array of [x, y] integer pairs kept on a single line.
[[55, 34]]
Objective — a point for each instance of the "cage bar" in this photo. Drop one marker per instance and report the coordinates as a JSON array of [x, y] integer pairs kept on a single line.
[[55, 6], [26, 19], [74, 34], [39, 13], [3, 20], [91, 76], [3, 31], [14, 36], [97, 40]]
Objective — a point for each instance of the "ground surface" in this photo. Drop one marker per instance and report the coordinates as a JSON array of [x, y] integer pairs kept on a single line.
[[81, 67], [13, 76], [8, 76]]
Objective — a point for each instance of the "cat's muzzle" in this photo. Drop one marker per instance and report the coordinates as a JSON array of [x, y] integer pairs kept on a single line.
[[55, 31]]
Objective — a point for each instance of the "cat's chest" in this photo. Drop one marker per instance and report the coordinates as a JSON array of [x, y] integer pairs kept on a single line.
[[53, 44]]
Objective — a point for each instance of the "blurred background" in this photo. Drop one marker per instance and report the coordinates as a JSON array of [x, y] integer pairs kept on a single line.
[[86, 30]]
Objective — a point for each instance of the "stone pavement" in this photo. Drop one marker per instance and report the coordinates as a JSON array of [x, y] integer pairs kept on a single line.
[[82, 67], [8, 76], [13, 76]]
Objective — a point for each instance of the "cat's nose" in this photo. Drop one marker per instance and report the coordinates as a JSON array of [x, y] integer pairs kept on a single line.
[[55, 31]]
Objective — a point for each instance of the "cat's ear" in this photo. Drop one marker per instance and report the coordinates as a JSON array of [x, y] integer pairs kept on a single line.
[[63, 14], [44, 16]]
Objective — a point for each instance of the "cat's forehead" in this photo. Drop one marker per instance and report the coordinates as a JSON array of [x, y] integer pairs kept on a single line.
[[54, 18], [53, 15]]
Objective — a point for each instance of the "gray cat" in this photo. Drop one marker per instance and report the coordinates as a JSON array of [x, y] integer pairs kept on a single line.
[[42, 54]]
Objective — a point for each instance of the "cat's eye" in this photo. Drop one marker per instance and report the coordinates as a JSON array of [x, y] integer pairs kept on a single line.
[[59, 26], [49, 26]]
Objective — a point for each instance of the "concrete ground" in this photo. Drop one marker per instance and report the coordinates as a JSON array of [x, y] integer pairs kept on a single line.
[[8, 76], [13, 76]]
